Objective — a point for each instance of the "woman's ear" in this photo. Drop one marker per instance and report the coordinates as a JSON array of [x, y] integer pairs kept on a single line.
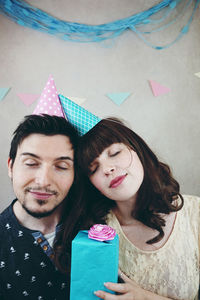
[[10, 165]]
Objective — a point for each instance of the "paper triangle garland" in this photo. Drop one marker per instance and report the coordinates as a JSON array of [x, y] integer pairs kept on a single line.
[[158, 89], [28, 99], [3, 92], [118, 98], [49, 102], [79, 117], [197, 74]]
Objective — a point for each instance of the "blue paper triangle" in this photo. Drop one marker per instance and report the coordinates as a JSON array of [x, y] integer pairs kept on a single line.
[[3, 92], [118, 98]]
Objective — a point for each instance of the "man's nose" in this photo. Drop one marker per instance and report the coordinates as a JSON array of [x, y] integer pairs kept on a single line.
[[43, 176]]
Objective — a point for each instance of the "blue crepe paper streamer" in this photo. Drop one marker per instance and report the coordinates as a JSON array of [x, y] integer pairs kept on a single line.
[[29, 16]]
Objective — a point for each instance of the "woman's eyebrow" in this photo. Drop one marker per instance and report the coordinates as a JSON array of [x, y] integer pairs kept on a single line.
[[94, 162]]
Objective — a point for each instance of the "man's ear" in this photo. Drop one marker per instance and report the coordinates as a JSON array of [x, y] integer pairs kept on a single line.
[[10, 165]]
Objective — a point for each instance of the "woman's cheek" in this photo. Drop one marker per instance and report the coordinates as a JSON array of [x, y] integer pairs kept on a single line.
[[96, 181], [93, 180], [125, 160]]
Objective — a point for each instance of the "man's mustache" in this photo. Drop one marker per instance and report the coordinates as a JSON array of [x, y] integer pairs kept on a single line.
[[40, 189]]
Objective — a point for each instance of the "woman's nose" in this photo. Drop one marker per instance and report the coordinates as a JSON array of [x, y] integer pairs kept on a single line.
[[108, 169]]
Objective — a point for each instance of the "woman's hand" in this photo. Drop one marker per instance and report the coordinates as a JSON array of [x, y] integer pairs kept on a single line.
[[128, 290]]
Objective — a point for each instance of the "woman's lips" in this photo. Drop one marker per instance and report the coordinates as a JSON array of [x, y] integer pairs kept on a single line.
[[42, 196], [117, 181]]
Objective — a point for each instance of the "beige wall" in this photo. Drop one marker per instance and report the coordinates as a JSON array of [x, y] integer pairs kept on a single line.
[[169, 123]]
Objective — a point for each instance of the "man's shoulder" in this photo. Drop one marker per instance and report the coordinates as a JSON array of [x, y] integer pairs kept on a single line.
[[5, 218]]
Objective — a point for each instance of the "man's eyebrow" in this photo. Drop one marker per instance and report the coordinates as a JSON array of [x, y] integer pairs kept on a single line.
[[64, 158], [36, 156], [29, 154]]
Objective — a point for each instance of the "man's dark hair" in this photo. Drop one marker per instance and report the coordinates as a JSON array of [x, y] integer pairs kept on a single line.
[[41, 124]]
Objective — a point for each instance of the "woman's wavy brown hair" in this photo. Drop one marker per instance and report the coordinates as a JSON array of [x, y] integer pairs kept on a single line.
[[157, 194]]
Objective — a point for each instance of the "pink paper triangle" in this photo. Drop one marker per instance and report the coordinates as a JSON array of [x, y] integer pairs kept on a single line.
[[28, 99], [158, 89]]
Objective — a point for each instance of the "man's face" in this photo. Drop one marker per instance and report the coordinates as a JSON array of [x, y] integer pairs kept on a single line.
[[42, 173]]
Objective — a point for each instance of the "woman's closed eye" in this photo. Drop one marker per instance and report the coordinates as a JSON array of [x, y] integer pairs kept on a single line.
[[115, 153]]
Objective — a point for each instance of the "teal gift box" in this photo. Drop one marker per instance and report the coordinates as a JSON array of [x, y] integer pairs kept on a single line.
[[93, 263]]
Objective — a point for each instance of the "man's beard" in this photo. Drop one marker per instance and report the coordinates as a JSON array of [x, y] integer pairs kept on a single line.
[[39, 215]]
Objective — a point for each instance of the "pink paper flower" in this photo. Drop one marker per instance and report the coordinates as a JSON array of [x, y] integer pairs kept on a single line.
[[101, 233]]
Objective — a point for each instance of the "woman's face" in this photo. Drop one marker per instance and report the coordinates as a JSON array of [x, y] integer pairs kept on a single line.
[[117, 173]]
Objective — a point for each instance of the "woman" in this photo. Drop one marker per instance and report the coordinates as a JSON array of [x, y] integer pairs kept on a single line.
[[135, 193]]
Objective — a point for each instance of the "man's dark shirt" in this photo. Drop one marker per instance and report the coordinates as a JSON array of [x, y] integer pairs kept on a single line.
[[26, 268]]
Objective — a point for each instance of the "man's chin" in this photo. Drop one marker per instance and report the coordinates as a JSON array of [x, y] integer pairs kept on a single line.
[[39, 214]]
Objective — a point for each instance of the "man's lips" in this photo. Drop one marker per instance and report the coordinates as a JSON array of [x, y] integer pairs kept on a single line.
[[117, 181], [41, 195]]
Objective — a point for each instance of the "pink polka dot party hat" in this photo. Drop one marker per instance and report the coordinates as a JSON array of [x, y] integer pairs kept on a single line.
[[49, 102]]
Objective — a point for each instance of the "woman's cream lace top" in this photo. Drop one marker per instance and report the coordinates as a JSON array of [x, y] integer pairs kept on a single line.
[[172, 270]]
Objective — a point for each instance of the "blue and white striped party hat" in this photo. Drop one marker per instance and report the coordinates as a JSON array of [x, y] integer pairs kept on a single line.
[[79, 117]]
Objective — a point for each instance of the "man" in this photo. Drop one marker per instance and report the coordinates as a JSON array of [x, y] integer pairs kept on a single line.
[[41, 168]]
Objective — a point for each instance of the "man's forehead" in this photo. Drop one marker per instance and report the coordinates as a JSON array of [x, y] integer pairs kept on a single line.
[[46, 143]]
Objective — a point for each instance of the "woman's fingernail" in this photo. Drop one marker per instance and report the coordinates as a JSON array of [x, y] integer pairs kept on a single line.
[[96, 293], [106, 284]]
